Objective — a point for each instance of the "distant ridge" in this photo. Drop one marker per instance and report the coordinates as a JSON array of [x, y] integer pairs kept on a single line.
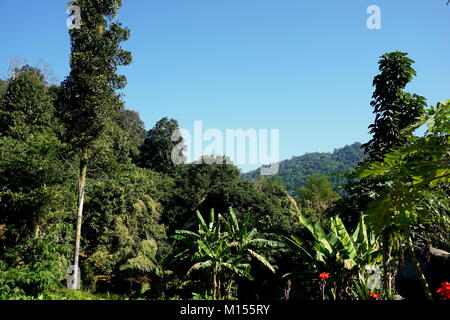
[[295, 171]]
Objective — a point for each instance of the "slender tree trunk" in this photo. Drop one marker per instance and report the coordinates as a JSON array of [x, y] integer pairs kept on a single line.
[[420, 275], [219, 285], [81, 190], [229, 288], [215, 285], [37, 229], [386, 272], [323, 284]]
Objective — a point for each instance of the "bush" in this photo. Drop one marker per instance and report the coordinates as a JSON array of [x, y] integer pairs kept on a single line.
[[31, 268]]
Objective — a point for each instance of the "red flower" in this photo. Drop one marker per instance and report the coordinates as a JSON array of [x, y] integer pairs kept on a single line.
[[444, 290], [374, 295], [324, 275]]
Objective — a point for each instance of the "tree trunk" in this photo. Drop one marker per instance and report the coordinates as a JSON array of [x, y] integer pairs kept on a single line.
[[37, 229], [420, 275], [81, 191], [215, 285], [386, 273]]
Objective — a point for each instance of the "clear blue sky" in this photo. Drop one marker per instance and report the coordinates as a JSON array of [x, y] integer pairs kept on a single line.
[[304, 67]]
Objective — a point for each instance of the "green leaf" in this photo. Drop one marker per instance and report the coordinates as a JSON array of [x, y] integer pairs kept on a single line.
[[261, 259]]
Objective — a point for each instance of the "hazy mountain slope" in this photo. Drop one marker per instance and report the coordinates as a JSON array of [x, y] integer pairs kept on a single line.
[[294, 171]]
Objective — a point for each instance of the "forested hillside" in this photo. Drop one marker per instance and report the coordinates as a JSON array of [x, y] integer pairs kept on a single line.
[[295, 171]]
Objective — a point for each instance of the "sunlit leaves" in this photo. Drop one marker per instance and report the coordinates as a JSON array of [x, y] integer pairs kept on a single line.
[[358, 249], [89, 100], [415, 170], [394, 108]]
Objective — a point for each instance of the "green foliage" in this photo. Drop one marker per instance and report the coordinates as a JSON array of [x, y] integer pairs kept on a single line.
[[222, 249], [74, 295], [3, 86], [416, 172], [317, 195], [132, 134], [394, 109], [156, 152], [203, 186], [416, 177], [334, 249], [119, 147], [59, 293], [32, 267], [88, 100], [204, 297], [26, 105], [123, 236], [271, 182], [364, 286], [145, 260], [34, 194], [337, 245]]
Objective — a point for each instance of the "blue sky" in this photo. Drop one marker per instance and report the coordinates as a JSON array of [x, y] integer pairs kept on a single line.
[[304, 67]]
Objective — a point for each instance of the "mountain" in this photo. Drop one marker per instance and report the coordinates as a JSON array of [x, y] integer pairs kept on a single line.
[[295, 171]]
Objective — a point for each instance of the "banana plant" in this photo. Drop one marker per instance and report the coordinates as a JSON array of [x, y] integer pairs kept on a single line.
[[246, 241], [358, 249], [338, 251], [223, 249]]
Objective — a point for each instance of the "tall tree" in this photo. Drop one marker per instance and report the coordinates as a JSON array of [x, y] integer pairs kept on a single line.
[[90, 101], [156, 152], [133, 133], [395, 110], [26, 104], [3, 85]]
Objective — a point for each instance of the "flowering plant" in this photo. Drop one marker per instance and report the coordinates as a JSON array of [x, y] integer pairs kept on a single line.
[[323, 283], [374, 295], [324, 276], [444, 290]]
